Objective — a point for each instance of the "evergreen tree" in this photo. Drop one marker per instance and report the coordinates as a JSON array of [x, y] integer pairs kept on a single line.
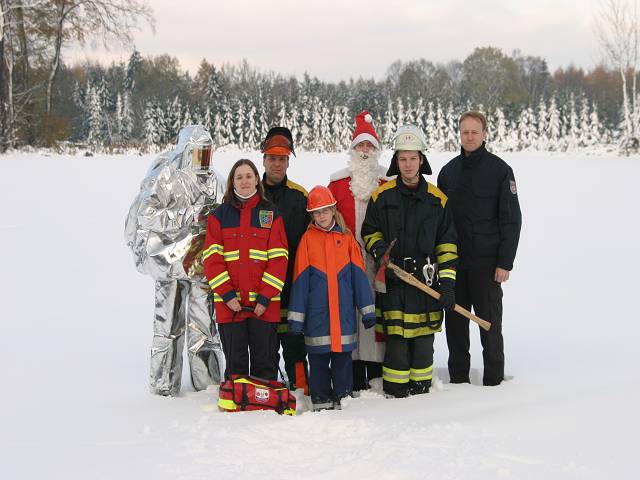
[[326, 144], [390, 124], [251, 129], [239, 124], [430, 125], [174, 118], [153, 134], [542, 126], [554, 131], [572, 123], [451, 141], [133, 65], [440, 129], [500, 134], [342, 130], [596, 129], [217, 132], [187, 119], [96, 118], [228, 124]]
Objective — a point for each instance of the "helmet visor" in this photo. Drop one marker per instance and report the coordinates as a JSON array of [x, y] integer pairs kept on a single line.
[[277, 145], [201, 157]]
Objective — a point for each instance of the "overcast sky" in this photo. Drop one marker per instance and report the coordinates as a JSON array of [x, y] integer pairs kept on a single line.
[[336, 40]]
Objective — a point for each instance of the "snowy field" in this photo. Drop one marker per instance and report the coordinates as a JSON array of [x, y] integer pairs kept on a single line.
[[76, 328]]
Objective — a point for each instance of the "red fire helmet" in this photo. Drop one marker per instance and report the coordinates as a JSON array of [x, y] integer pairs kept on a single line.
[[320, 197]]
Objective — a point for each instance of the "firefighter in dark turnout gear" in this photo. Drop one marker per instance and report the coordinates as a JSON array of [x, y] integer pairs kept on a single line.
[[291, 200], [484, 201], [415, 213]]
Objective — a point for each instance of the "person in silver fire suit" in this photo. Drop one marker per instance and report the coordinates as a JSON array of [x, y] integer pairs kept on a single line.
[[165, 230]]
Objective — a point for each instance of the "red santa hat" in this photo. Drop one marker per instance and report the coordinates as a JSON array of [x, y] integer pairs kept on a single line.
[[364, 130]]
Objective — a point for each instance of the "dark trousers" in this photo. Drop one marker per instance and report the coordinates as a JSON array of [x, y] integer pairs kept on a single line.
[[251, 342], [295, 358], [476, 288], [364, 371], [408, 365], [330, 378]]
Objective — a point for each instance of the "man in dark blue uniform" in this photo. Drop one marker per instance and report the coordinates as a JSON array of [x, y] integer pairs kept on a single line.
[[484, 199]]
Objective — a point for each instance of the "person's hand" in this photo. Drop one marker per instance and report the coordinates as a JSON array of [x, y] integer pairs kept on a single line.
[[234, 305], [447, 298], [369, 321], [501, 275], [259, 310]]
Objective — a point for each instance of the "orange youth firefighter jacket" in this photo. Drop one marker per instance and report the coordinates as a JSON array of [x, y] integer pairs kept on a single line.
[[329, 283]]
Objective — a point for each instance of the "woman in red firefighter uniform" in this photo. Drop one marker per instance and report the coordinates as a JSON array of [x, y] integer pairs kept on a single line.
[[414, 212], [329, 283], [245, 260]]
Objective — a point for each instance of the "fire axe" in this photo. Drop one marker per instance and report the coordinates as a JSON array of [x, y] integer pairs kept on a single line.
[[380, 286]]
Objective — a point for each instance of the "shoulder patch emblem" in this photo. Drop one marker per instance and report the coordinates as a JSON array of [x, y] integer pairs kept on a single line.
[[512, 187], [266, 218]]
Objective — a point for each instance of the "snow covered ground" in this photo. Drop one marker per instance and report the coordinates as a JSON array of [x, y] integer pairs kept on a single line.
[[76, 326]]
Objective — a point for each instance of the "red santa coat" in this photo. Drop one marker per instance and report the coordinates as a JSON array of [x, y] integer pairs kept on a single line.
[[353, 212]]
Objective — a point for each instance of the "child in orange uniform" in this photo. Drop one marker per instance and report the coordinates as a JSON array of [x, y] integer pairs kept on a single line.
[[329, 283]]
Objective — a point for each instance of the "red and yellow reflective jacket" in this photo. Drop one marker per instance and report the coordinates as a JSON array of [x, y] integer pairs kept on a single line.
[[245, 256]]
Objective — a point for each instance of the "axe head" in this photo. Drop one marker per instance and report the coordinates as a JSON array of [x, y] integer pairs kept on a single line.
[[380, 280]]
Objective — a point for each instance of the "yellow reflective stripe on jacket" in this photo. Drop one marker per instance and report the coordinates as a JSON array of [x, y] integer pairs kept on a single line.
[[409, 332], [446, 247], [215, 248], [421, 374], [253, 296], [411, 317], [395, 376], [445, 257], [289, 411], [231, 256], [257, 254], [277, 252], [447, 273], [219, 280], [218, 298], [273, 281], [227, 404], [372, 238]]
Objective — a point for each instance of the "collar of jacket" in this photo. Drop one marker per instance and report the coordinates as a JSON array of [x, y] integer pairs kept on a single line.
[[419, 191], [277, 186], [252, 202], [336, 228], [474, 157]]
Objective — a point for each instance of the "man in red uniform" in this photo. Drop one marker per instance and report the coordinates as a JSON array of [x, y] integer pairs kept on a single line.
[[352, 187]]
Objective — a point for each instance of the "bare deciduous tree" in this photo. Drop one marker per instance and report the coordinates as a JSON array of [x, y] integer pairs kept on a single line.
[[79, 20], [617, 29]]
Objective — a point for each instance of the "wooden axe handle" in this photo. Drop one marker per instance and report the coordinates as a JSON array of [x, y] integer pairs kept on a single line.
[[411, 280]]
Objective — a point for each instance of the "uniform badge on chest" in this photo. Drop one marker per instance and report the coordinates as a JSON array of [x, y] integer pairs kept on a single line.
[[266, 218]]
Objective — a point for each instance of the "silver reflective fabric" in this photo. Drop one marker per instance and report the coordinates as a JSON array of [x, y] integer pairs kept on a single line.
[[165, 230]]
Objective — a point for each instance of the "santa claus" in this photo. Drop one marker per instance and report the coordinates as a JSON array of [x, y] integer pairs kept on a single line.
[[352, 188]]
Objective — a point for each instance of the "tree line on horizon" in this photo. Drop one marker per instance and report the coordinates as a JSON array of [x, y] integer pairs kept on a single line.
[[143, 102]]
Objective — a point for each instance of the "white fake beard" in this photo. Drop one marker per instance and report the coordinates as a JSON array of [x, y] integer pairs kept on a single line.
[[364, 174]]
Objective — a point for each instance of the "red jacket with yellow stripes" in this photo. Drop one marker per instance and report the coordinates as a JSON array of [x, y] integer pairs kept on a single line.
[[245, 256]]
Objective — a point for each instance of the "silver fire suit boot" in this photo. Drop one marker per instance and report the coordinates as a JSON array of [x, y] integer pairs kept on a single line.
[[182, 305]]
